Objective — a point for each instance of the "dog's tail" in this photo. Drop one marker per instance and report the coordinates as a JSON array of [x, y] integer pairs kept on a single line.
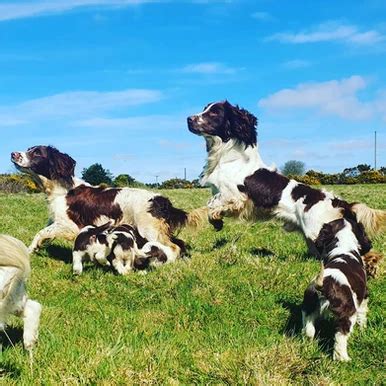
[[372, 219], [161, 207], [13, 254], [197, 217]]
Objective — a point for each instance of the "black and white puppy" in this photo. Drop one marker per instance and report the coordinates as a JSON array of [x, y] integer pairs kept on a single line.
[[341, 285], [75, 204], [243, 185], [121, 247], [91, 244], [14, 272]]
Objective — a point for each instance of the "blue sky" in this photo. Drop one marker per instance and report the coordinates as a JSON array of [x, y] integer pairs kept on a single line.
[[113, 81]]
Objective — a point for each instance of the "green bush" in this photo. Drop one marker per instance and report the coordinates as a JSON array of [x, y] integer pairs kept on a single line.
[[17, 183], [176, 183], [371, 177], [308, 180]]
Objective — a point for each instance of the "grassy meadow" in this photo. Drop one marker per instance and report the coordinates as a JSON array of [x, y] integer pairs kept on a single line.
[[228, 315]]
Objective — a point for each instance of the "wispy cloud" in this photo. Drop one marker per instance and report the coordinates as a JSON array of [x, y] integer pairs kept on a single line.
[[21, 10], [335, 97], [262, 16], [330, 32], [9, 11], [295, 64], [208, 68], [75, 104], [148, 122]]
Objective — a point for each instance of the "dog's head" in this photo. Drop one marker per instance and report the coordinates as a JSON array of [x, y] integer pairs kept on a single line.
[[45, 161], [226, 121]]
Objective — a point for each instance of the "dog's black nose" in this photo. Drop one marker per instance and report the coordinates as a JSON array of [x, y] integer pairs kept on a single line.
[[190, 120], [15, 155]]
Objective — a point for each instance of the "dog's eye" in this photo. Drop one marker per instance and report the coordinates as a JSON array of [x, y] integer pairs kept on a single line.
[[37, 152]]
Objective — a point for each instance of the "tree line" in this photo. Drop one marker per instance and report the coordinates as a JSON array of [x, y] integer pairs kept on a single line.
[[360, 174], [96, 174]]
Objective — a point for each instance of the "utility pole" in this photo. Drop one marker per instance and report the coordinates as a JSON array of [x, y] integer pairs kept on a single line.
[[156, 180], [375, 150], [184, 173]]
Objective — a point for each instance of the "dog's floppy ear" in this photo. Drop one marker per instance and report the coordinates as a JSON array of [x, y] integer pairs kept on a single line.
[[326, 239], [360, 233], [61, 166], [240, 124]]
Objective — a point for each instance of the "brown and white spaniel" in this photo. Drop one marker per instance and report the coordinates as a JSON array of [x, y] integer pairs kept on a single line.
[[74, 204], [243, 185]]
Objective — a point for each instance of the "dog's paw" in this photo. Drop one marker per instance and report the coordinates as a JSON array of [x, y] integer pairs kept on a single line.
[[217, 224]]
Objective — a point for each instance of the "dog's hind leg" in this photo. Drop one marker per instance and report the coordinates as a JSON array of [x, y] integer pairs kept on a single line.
[[310, 310], [154, 229], [362, 313], [31, 316], [344, 329]]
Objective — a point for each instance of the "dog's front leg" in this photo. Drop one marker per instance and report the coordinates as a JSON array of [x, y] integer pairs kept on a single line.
[[220, 207], [77, 262], [52, 231], [216, 211]]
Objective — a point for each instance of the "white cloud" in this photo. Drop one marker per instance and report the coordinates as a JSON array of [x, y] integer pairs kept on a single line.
[[10, 11], [208, 68], [330, 32], [75, 104], [21, 10], [336, 97], [148, 122]]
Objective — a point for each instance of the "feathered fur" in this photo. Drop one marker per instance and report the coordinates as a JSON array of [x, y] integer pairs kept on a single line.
[[374, 220], [14, 272]]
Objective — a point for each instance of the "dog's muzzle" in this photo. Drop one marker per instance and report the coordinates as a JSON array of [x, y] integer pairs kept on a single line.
[[192, 124], [16, 157]]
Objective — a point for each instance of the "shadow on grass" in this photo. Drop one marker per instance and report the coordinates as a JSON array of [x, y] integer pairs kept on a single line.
[[293, 325], [325, 328], [219, 243], [8, 339], [11, 337], [9, 370], [59, 252], [261, 252]]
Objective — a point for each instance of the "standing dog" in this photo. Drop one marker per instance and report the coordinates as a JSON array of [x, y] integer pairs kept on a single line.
[[74, 204], [341, 285], [14, 272], [91, 244], [243, 185]]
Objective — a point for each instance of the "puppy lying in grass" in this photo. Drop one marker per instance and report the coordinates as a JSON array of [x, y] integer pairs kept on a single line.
[[341, 286], [120, 247], [14, 272]]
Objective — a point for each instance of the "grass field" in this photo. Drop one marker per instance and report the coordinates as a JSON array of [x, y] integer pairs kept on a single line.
[[228, 315]]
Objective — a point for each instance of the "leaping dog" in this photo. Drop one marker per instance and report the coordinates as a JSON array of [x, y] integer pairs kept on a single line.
[[243, 184]]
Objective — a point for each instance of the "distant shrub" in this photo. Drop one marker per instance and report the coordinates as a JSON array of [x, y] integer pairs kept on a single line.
[[17, 183], [371, 177], [308, 180], [293, 168], [96, 174], [123, 180], [176, 183]]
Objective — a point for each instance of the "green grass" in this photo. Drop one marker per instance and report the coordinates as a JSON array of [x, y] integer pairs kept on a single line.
[[228, 315]]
